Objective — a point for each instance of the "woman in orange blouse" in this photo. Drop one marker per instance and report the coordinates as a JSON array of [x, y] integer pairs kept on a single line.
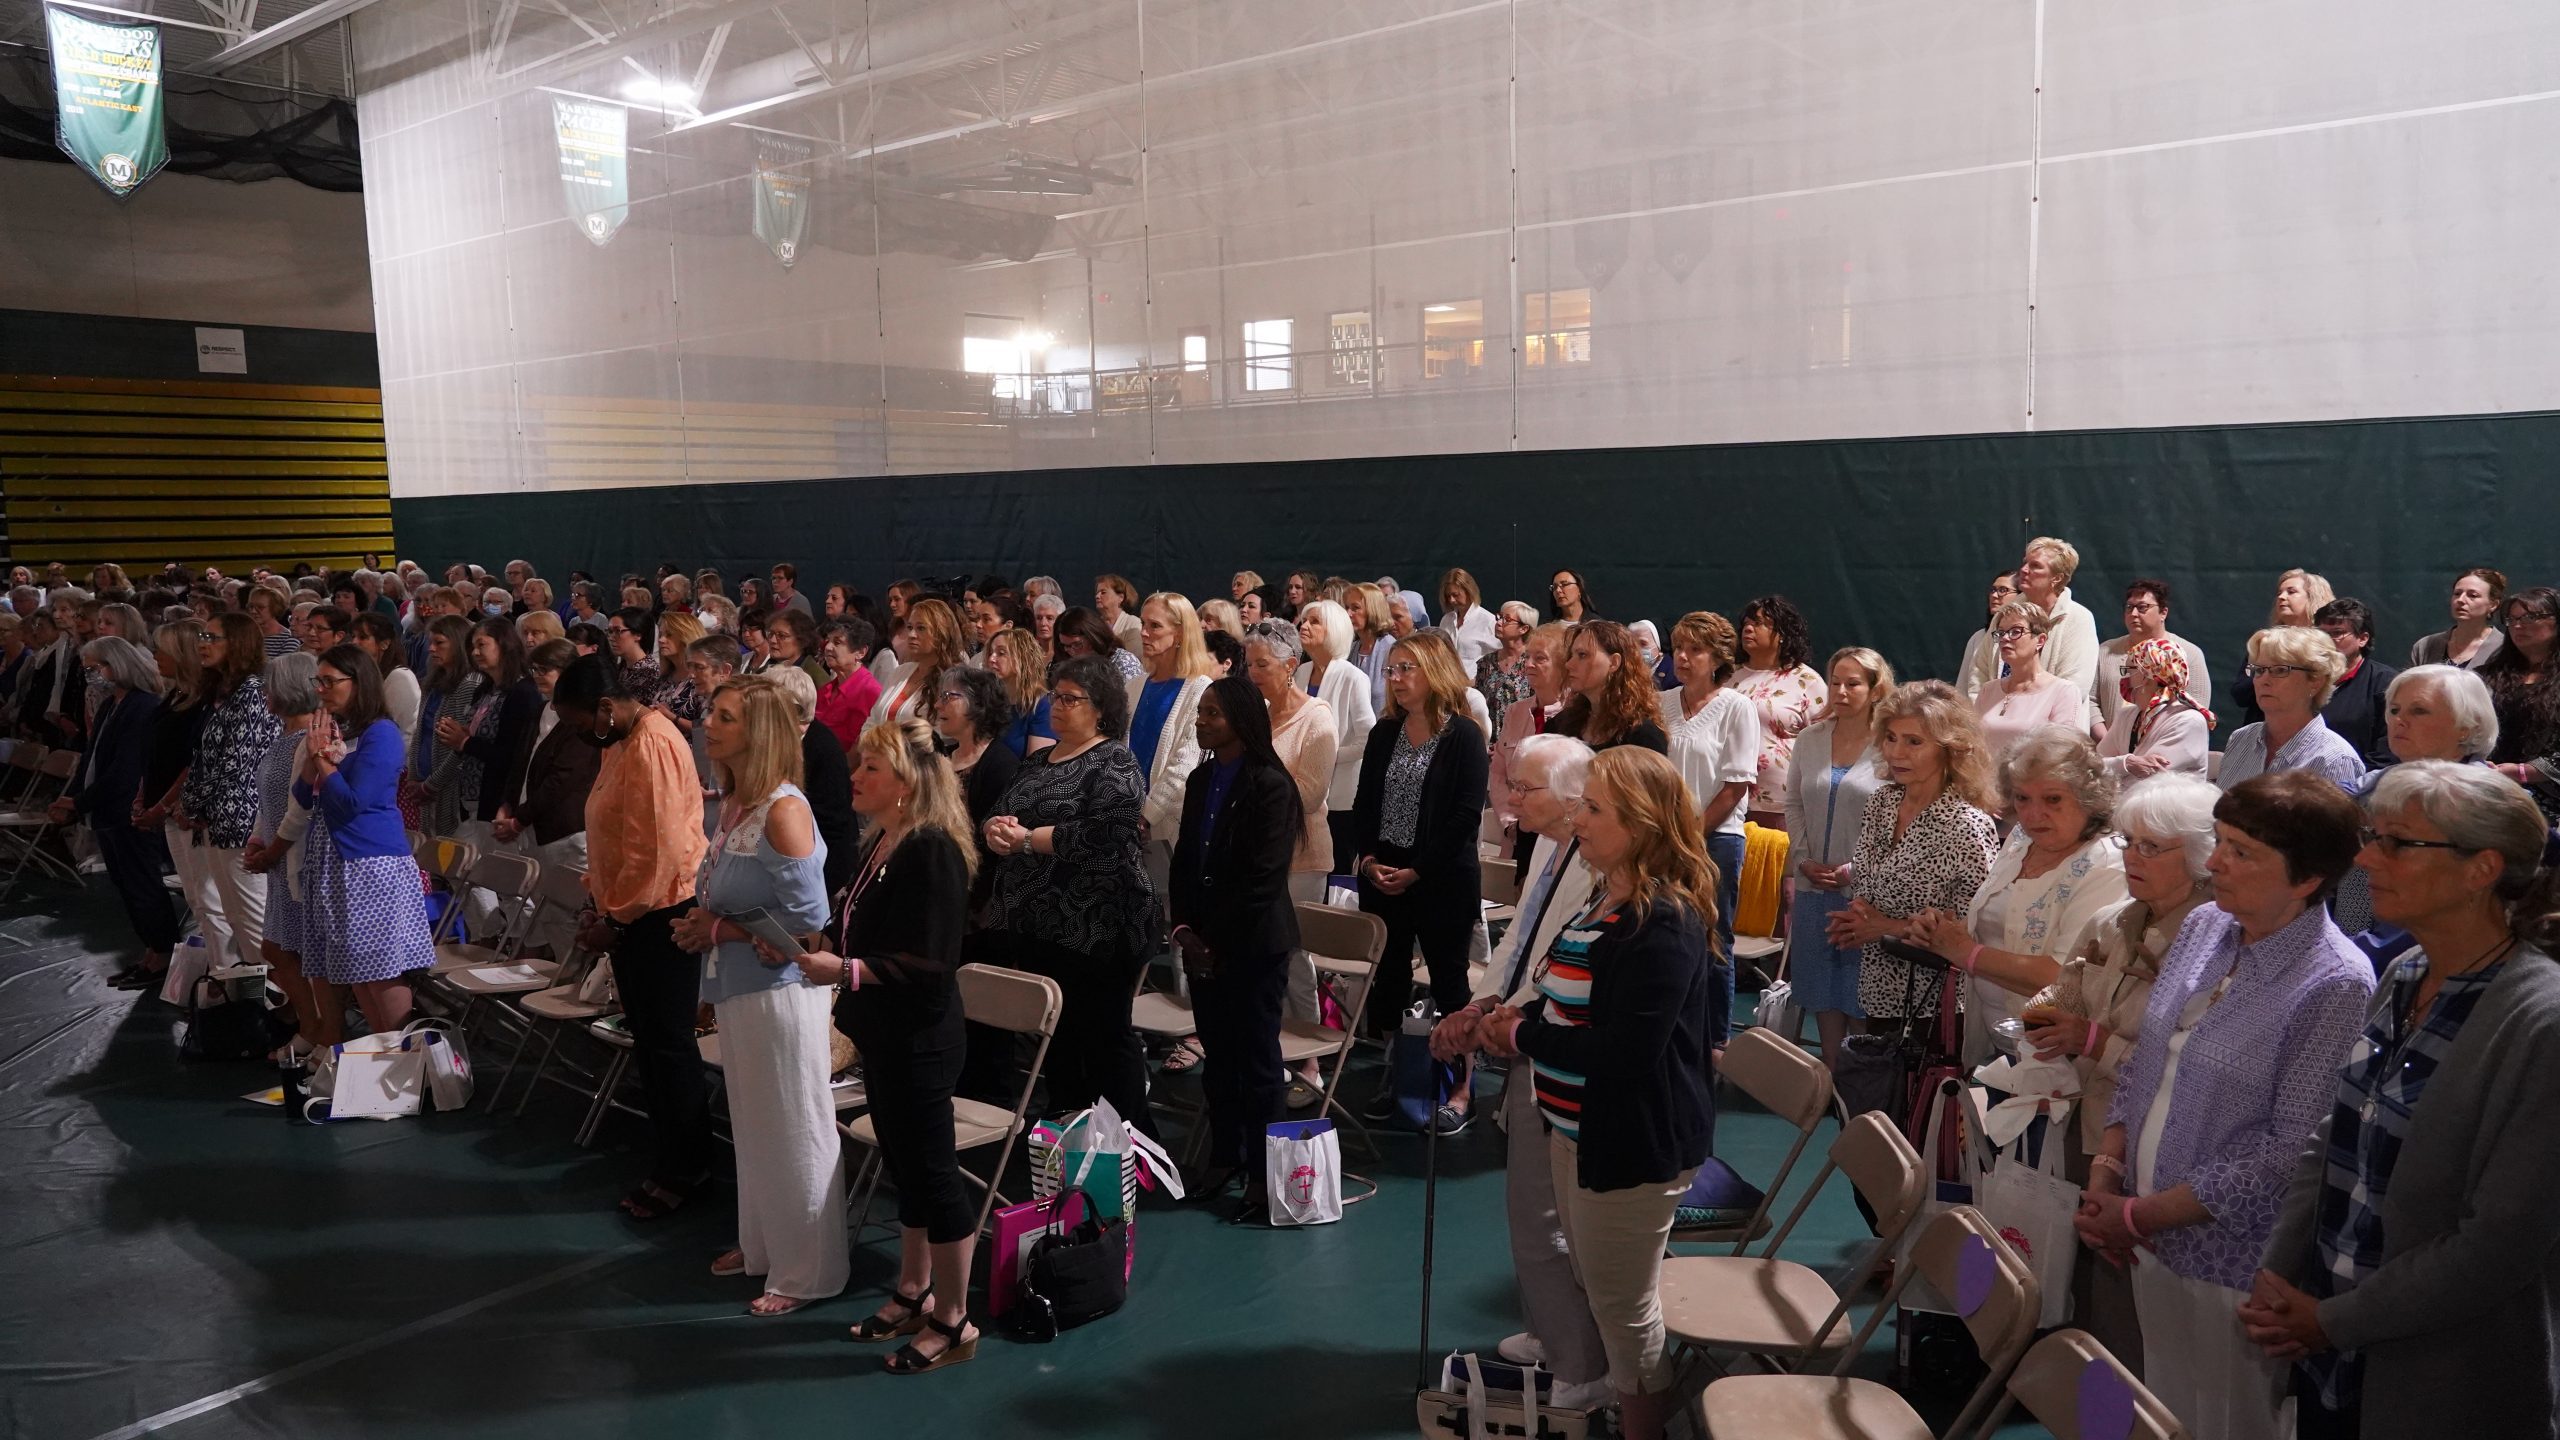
[[644, 847]]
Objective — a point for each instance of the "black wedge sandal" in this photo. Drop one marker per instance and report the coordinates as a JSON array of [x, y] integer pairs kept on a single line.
[[911, 1361], [873, 1329]]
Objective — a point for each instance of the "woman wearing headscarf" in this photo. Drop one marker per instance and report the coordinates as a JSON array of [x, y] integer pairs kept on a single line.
[[2159, 727]]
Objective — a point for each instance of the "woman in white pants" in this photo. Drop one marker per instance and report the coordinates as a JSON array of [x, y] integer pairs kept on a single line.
[[218, 803], [773, 1019]]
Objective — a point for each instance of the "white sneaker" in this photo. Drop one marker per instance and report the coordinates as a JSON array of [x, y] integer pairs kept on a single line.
[[1590, 1395], [1522, 1349]]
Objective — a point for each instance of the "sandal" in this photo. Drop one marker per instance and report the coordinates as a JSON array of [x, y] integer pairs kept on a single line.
[[1305, 1094], [731, 1262], [874, 1329], [650, 1200], [1185, 1056], [770, 1304], [911, 1361]]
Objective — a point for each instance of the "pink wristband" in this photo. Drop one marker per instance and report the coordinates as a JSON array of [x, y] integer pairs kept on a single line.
[[2090, 1045], [2130, 1228], [1972, 958]]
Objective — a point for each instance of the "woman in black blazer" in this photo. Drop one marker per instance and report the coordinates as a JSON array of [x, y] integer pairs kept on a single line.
[[1236, 927], [1617, 1044], [106, 790], [1414, 822]]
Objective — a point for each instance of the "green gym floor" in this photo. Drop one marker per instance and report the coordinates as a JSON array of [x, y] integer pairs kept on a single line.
[[180, 1260]]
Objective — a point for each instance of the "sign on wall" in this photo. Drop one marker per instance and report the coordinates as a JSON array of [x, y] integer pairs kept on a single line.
[[595, 164], [221, 352], [106, 91], [782, 195]]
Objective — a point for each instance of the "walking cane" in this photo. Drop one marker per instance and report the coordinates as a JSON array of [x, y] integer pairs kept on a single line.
[[1430, 1218]]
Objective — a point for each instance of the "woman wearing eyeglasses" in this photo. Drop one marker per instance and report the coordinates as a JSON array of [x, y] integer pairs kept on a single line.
[[364, 920], [1980, 667], [2292, 669], [2256, 1004], [2409, 1277], [1071, 898], [2027, 698], [970, 711], [2159, 727], [2528, 700], [1572, 597]]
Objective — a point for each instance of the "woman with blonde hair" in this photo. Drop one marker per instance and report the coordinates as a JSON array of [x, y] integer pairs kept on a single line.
[[1925, 841], [1328, 674], [1542, 656], [1222, 615], [2028, 697], [1617, 1042], [767, 857], [1015, 658], [1161, 705], [1833, 774], [1242, 583], [2299, 596], [538, 625], [928, 642], [2292, 670], [1414, 823], [1469, 624], [1609, 697], [1373, 625]]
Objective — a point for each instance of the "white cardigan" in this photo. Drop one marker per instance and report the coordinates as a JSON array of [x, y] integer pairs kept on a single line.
[[1346, 688], [1472, 634], [1177, 754], [2048, 915], [2180, 737]]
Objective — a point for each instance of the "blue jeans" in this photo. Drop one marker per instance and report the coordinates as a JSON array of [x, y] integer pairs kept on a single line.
[[1726, 851]]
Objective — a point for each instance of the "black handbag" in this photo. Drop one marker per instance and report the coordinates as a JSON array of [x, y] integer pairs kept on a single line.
[[1073, 1275]]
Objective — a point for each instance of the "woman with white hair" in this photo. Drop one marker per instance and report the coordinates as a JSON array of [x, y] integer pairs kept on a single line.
[[2292, 669], [1499, 678], [1373, 637], [2092, 1011], [2430, 712], [2408, 1274], [2057, 872], [107, 789], [1324, 629], [293, 693]]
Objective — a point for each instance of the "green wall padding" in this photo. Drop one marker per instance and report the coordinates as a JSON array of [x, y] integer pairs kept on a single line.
[[1888, 543]]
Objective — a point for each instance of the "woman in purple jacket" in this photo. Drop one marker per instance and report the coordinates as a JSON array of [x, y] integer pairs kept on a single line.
[[2258, 1001]]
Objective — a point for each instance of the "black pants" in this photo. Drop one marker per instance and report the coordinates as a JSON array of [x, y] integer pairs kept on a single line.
[[1238, 1008], [1096, 1055], [2313, 1421], [661, 990], [909, 1080], [1443, 930], [1345, 847], [136, 858]]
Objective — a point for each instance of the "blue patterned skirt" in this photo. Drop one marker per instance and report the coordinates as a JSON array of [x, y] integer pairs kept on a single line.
[[362, 919], [1825, 976]]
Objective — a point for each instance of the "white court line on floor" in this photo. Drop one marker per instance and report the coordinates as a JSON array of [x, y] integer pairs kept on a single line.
[[247, 1388]]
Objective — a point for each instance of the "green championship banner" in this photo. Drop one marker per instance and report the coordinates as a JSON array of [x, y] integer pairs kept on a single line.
[[595, 164], [106, 92], [782, 195]]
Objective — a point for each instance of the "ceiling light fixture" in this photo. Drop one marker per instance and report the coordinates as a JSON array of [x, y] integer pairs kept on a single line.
[[648, 90]]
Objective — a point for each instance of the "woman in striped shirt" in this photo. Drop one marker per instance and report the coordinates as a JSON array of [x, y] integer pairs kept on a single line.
[[1617, 1041]]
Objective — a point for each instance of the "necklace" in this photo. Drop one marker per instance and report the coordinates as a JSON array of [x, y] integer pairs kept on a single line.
[[2407, 1028]]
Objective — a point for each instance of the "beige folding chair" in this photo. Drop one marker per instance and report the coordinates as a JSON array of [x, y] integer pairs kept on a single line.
[[2049, 1381], [1788, 1083], [514, 879], [20, 768], [1499, 881], [1008, 1000], [25, 831], [554, 1009], [1345, 944], [1960, 1254], [1777, 1310]]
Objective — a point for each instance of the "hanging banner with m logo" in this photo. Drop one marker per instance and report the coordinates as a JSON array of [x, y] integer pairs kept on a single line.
[[106, 94], [782, 195], [595, 164]]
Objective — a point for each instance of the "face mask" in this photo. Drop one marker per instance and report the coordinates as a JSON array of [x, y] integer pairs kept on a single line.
[[494, 609]]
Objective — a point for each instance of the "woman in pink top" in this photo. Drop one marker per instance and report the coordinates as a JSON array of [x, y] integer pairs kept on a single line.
[[851, 691], [2026, 697]]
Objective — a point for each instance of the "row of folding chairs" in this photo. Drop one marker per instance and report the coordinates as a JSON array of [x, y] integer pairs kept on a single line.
[[32, 778]]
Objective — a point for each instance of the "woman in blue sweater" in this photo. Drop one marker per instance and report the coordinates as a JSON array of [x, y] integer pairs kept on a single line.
[[364, 915], [1617, 1042]]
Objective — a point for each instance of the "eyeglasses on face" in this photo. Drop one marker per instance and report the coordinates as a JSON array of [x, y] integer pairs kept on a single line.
[[1402, 669], [2257, 671], [952, 695], [2014, 632], [2392, 845], [1067, 699], [2151, 849]]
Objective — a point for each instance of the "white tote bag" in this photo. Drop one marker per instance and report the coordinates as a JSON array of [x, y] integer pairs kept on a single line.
[[446, 1064], [2032, 1207], [1302, 1172], [377, 1077]]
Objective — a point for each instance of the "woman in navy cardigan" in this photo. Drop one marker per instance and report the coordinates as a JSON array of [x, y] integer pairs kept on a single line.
[[1617, 1044]]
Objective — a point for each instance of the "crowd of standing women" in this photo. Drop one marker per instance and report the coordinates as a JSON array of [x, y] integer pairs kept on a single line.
[[2301, 974]]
